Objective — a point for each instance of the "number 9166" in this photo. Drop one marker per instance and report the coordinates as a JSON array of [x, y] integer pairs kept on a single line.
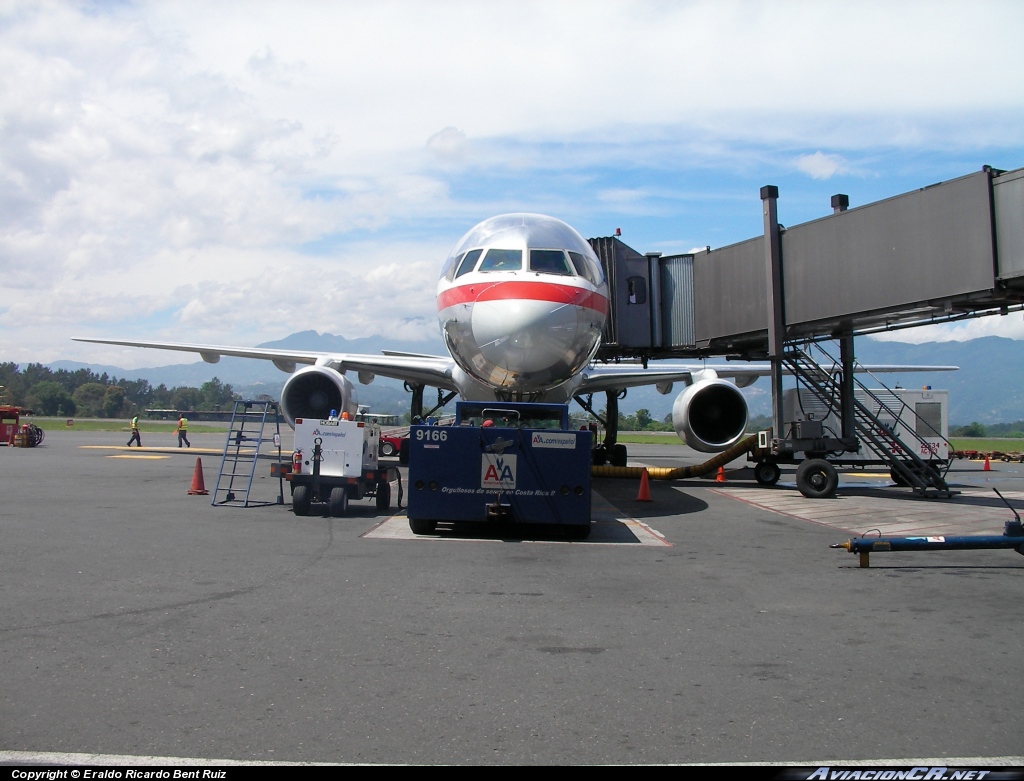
[[431, 435]]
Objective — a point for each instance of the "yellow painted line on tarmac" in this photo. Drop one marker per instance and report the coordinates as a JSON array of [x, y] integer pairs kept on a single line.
[[215, 451], [140, 457]]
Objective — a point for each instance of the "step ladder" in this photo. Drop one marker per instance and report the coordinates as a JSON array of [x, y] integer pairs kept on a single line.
[[874, 423], [254, 433]]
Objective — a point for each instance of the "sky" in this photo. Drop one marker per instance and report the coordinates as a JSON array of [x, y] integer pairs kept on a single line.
[[233, 172]]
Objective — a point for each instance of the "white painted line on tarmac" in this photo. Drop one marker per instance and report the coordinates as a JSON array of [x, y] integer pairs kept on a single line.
[[609, 526], [900, 516], [122, 760]]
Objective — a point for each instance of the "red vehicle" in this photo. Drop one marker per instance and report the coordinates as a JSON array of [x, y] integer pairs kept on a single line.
[[391, 444], [11, 427]]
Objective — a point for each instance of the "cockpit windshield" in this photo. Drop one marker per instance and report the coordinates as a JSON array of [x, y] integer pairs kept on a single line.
[[564, 263], [502, 260], [468, 262], [549, 261], [587, 268]]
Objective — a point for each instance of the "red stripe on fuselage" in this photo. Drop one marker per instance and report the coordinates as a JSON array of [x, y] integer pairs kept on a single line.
[[530, 291]]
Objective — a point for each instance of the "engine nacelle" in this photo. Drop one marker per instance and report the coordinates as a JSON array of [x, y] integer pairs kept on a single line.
[[314, 391], [710, 415]]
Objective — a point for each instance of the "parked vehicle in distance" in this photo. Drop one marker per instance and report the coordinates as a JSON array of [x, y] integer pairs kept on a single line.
[[391, 444]]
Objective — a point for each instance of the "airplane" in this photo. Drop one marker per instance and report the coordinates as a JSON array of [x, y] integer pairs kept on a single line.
[[522, 301]]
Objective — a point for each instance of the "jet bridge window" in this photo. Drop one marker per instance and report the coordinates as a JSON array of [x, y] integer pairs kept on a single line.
[[587, 268], [549, 261], [468, 262], [637, 290], [502, 260]]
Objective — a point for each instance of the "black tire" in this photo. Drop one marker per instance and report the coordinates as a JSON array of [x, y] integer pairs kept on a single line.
[[897, 477], [338, 503], [598, 456], [617, 456], [767, 473], [387, 449], [817, 479], [421, 526], [300, 500], [383, 496]]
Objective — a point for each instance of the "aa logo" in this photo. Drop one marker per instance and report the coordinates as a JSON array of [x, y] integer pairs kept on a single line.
[[498, 471]]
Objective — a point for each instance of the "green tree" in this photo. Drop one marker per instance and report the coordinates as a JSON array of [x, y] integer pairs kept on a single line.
[[973, 430], [160, 398], [185, 398], [49, 398], [13, 383], [215, 394], [138, 393], [113, 402], [88, 399]]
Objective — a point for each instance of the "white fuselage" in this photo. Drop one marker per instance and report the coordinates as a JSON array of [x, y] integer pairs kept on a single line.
[[522, 302]]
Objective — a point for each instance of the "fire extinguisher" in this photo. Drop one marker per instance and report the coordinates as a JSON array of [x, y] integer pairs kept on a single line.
[[297, 462]]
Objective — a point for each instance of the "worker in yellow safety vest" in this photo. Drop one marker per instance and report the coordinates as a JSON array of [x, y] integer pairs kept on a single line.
[[135, 432], [183, 431]]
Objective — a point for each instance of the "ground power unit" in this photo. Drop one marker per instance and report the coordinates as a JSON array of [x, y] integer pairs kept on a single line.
[[335, 461]]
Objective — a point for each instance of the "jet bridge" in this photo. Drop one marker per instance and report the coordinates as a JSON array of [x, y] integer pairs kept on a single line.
[[942, 253], [939, 254]]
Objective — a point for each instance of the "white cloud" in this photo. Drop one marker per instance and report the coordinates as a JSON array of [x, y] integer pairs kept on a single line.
[[820, 165], [449, 143], [198, 171], [1010, 326]]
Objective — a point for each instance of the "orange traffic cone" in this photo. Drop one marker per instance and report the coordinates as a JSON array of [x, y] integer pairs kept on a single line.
[[644, 494], [987, 467], [720, 477], [198, 486]]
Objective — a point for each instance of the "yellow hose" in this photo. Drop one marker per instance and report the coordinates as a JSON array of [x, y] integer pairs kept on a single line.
[[678, 472]]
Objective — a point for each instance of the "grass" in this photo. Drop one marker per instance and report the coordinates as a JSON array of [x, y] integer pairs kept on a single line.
[[651, 438], [117, 424], [984, 445], [987, 444]]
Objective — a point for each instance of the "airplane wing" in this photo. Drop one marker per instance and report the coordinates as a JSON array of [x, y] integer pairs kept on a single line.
[[606, 377], [436, 370], [609, 377], [433, 370]]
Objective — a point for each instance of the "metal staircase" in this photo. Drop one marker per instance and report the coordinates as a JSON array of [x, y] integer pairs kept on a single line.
[[255, 431], [874, 421]]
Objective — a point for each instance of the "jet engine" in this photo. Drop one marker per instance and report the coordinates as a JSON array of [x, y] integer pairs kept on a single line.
[[710, 415], [312, 392]]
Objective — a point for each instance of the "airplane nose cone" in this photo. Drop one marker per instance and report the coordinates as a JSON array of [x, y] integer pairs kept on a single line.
[[527, 345], [524, 336]]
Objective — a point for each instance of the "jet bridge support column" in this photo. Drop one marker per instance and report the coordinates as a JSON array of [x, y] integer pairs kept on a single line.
[[776, 313], [846, 357], [840, 203]]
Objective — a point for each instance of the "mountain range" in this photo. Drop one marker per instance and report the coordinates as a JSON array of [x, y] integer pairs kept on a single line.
[[988, 388]]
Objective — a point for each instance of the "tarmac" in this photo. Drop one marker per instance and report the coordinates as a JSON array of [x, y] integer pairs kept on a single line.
[[711, 625]]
